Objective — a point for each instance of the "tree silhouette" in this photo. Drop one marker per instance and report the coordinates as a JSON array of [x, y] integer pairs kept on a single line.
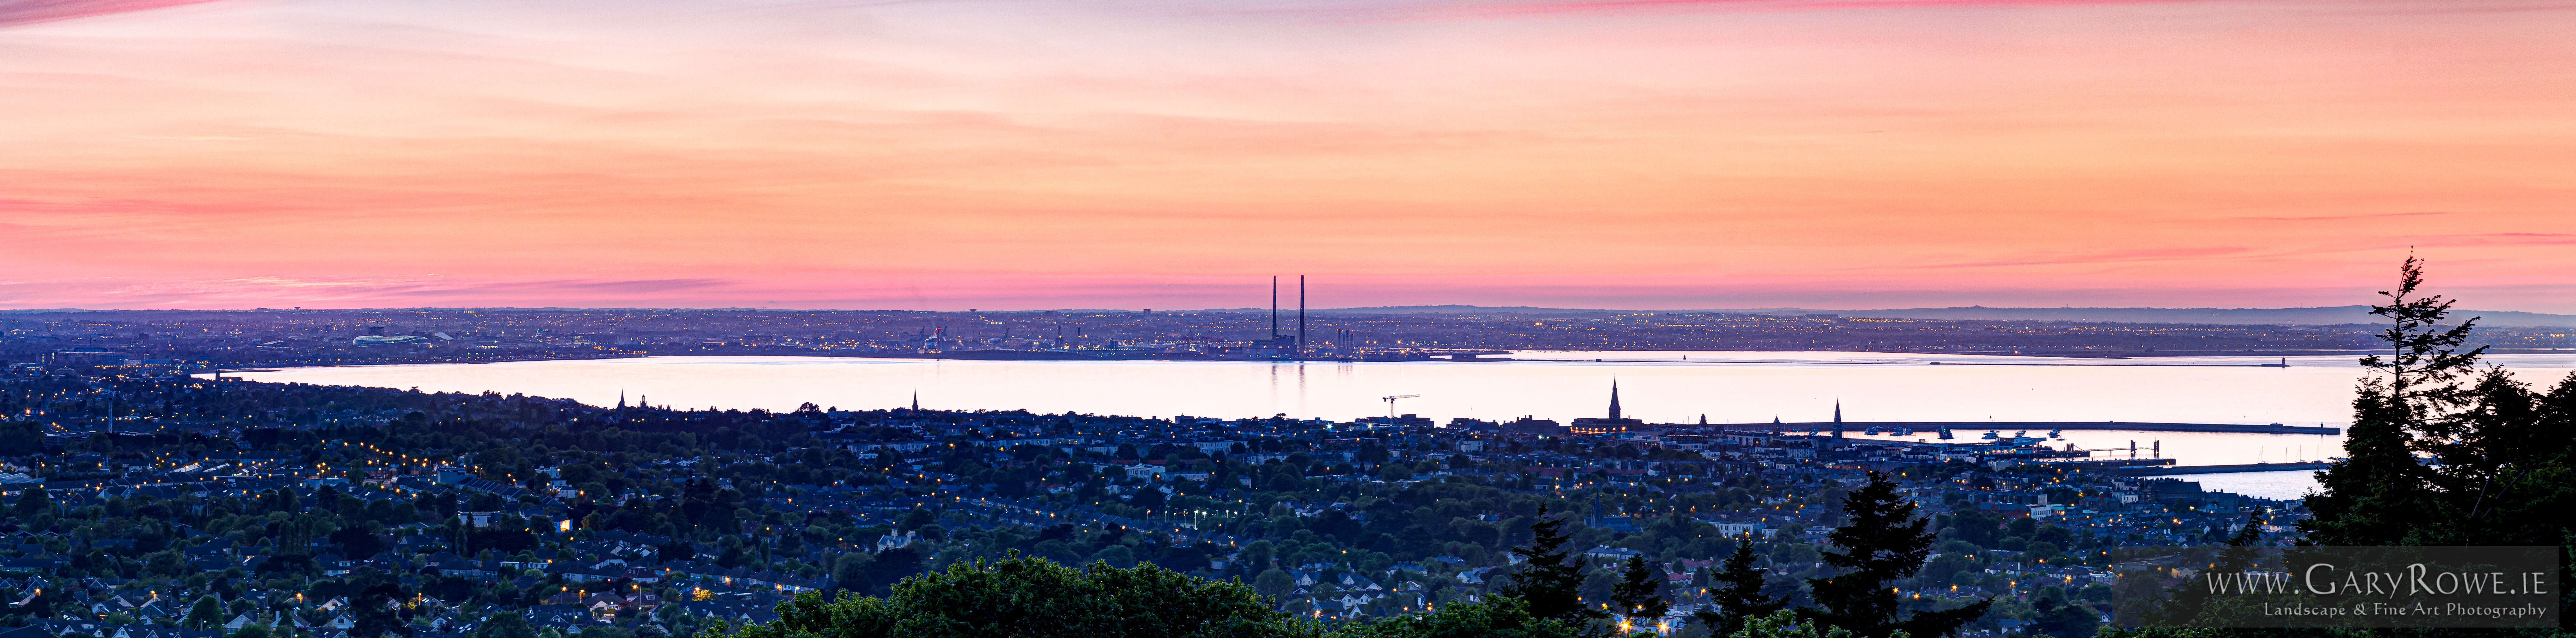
[[1550, 581], [1739, 595], [1884, 542], [1639, 594]]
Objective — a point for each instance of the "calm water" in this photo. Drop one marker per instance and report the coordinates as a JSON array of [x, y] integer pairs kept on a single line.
[[1727, 387]]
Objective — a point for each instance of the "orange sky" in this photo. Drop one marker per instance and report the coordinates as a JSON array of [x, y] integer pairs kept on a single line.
[[1172, 154]]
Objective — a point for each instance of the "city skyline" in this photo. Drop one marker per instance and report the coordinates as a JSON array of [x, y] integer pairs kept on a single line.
[[1097, 154]]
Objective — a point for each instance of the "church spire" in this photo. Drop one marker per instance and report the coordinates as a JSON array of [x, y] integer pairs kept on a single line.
[[1614, 399], [621, 399], [916, 400]]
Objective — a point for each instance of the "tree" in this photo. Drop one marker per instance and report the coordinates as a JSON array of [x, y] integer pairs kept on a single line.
[[1739, 594], [1502, 617], [1274, 583], [508, 624], [1639, 594], [18, 438], [894, 565], [1147, 497], [374, 608], [1550, 581], [1032, 597], [2503, 469], [2371, 497], [1785, 624], [207, 613], [1882, 543], [2065, 619], [32, 502]]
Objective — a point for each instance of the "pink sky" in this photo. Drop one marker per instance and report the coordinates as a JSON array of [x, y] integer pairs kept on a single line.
[[1173, 154]]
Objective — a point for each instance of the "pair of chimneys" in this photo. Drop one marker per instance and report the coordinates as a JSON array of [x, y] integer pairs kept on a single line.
[[1301, 311]]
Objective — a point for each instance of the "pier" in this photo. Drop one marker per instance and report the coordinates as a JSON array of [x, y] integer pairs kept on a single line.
[[2171, 470], [1964, 427]]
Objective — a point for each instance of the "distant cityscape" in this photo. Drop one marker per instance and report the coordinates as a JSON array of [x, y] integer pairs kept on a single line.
[[257, 338], [149, 504]]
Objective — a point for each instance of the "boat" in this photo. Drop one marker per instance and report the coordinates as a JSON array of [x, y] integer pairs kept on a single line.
[[1872, 431], [1902, 431], [2055, 434], [1990, 434], [1945, 434]]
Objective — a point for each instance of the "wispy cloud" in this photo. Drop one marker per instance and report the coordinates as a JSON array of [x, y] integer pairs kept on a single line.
[[18, 12], [1435, 10], [2320, 218]]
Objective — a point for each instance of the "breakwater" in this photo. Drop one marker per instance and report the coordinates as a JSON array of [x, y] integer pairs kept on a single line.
[[1961, 427]]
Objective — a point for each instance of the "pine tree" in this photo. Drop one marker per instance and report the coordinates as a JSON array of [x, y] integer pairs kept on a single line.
[[1639, 594], [1884, 542], [2376, 494], [2504, 470], [1739, 595], [1551, 581]]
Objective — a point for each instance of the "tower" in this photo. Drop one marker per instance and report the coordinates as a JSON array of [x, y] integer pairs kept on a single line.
[[1274, 308], [1301, 316], [916, 400], [1614, 399], [1838, 418]]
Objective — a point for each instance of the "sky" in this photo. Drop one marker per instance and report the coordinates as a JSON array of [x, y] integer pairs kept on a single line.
[[1016, 154]]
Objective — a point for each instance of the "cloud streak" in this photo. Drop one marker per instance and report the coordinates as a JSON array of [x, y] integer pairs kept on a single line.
[[22, 12]]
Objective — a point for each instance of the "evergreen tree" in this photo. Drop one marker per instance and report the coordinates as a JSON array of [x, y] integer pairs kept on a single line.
[[1884, 542], [1550, 581], [2504, 455], [1639, 594], [2376, 493], [1739, 594]]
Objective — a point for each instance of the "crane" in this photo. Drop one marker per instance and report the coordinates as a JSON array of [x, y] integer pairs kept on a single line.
[[1390, 405]]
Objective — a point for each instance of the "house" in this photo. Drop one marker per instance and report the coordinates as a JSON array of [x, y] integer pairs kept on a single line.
[[891, 541], [1615, 554]]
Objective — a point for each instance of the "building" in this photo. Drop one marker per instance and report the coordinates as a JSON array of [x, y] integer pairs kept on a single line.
[[1613, 425]]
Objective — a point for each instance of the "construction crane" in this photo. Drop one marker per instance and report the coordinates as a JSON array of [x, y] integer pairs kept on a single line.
[[1390, 405]]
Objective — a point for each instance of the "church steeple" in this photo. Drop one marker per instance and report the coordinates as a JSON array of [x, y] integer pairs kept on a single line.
[[621, 399], [916, 400], [1614, 399]]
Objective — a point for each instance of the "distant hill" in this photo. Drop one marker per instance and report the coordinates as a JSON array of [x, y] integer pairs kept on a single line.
[[2332, 315], [1454, 309]]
